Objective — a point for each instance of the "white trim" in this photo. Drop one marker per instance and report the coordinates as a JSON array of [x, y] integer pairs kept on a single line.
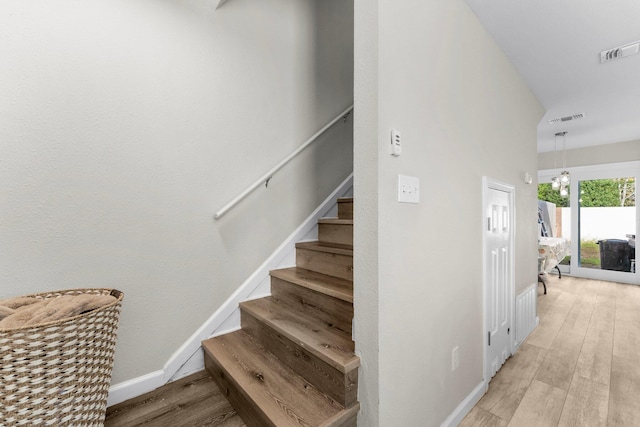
[[135, 387], [465, 406], [487, 184], [186, 359]]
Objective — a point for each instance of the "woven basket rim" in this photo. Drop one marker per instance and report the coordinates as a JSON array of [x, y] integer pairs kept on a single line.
[[119, 295]]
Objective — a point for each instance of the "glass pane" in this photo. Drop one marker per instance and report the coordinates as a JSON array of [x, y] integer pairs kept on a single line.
[[557, 209], [607, 224]]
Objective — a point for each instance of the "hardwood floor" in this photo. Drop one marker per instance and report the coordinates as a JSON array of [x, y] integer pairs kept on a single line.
[[192, 401], [579, 367]]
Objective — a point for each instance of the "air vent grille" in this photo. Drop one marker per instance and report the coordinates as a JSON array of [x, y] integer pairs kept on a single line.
[[567, 118], [619, 52]]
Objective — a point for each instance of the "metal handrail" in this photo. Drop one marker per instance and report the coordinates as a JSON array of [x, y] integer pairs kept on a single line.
[[267, 176]]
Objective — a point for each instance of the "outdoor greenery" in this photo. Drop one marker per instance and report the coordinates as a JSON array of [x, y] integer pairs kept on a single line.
[[548, 194], [589, 254], [608, 192], [615, 192], [595, 193]]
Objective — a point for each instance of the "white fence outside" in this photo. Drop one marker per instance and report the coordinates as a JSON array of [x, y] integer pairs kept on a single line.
[[601, 223]]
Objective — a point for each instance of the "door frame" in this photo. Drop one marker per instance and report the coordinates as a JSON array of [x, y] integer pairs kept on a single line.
[[493, 184], [582, 173]]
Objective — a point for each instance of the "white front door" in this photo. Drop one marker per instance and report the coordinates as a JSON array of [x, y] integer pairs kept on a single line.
[[498, 277]]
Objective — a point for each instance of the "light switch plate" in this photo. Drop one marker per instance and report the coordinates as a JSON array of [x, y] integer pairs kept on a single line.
[[408, 189]]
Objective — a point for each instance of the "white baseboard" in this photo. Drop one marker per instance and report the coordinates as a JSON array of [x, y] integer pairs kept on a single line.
[[135, 387], [188, 358], [526, 321], [465, 406]]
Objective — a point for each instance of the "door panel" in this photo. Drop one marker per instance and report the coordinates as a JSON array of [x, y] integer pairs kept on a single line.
[[606, 222], [498, 270]]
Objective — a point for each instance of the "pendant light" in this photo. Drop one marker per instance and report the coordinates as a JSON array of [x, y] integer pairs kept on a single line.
[[561, 183]]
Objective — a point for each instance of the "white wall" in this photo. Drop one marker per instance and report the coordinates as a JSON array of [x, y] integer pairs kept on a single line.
[[365, 233], [600, 154], [125, 124], [464, 112]]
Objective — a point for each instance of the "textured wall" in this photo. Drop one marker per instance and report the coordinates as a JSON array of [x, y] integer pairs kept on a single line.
[[464, 113], [125, 125], [365, 257]]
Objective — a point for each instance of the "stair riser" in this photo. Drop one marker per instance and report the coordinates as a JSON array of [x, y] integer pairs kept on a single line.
[[342, 387], [352, 422], [335, 265], [330, 310], [345, 210], [243, 406], [336, 233]]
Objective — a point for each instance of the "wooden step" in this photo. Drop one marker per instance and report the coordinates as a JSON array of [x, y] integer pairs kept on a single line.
[[330, 259], [335, 230], [316, 350], [265, 391], [345, 208], [195, 400], [328, 298], [328, 285]]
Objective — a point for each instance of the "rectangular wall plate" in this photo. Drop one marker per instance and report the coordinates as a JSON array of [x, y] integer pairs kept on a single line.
[[396, 143], [408, 189]]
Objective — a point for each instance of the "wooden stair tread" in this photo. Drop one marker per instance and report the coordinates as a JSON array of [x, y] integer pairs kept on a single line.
[[339, 221], [293, 361], [328, 285], [333, 248], [285, 398], [332, 346]]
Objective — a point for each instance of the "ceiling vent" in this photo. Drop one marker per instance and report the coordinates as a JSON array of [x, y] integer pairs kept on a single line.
[[567, 118], [619, 52]]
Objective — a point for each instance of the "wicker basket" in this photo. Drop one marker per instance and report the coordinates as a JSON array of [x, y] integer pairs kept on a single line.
[[59, 373]]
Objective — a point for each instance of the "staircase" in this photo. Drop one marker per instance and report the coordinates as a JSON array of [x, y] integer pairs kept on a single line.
[[292, 363]]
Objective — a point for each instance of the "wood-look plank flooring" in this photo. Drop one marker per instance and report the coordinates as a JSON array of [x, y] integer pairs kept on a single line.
[[579, 367], [192, 401]]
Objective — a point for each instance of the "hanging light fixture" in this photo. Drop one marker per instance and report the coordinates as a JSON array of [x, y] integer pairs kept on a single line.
[[564, 192], [562, 182]]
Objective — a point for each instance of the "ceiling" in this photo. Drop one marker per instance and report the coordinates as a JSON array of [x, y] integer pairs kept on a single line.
[[556, 45]]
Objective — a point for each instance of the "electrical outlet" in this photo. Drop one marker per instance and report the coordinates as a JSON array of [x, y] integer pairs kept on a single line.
[[408, 189], [455, 359]]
